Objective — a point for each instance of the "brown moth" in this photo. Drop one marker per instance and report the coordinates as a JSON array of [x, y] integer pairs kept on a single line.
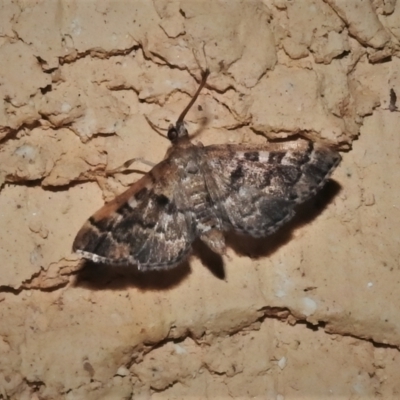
[[200, 192]]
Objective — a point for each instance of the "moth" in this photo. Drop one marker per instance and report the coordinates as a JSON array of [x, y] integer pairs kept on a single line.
[[200, 192]]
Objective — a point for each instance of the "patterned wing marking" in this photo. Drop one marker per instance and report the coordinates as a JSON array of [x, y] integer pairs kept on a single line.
[[146, 225], [256, 189]]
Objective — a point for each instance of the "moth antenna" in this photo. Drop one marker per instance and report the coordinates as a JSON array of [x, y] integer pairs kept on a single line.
[[204, 57], [204, 76], [156, 128]]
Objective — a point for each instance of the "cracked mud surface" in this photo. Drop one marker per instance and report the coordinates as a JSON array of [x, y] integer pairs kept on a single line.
[[310, 312]]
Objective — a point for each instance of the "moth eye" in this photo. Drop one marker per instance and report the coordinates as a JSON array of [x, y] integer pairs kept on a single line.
[[172, 134]]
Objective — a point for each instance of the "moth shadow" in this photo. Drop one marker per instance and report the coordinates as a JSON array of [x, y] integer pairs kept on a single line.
[[108, 277], [305, 213]]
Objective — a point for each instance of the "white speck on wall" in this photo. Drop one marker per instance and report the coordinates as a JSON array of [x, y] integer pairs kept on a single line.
[[26, 151], [282, 363], [35, 256], [280, 293], [370, 284], [283, 282], [309, 306], [87, 123], [280, 397], [76, 27], [179, 349], [116, 317], [174, 84], [65, 108], [359, 387], [122, 371]]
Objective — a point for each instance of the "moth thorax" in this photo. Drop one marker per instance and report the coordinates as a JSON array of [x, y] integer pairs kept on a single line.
[[191, 167]]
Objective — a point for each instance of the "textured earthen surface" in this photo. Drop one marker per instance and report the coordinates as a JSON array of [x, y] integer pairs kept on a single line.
[[310, 312]]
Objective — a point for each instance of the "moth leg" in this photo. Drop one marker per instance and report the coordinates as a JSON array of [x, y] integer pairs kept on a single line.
[[204, 122], [215, 240], [127, 164]]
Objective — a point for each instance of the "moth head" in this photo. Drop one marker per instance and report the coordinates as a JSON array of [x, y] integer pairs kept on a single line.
[[177, 131]]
